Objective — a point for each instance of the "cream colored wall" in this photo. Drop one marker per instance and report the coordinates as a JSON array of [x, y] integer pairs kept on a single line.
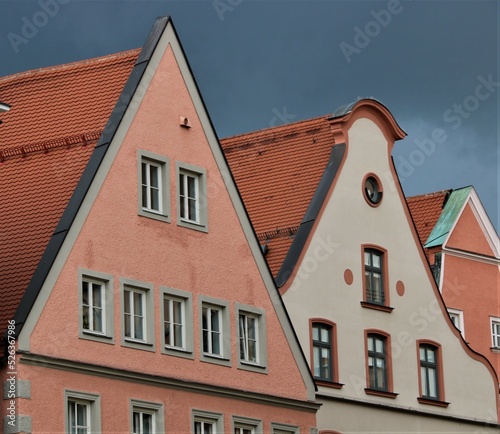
[[319, 291]]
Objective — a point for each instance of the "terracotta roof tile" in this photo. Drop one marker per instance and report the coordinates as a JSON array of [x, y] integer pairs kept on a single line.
[[46, 140], [425, 210], [277, 171]]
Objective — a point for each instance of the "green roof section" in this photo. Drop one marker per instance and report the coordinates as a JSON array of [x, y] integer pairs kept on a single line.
[[448, 217]]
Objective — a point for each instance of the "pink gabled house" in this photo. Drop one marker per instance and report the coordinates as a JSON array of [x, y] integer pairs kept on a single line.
[[464, 250], [134, 293]]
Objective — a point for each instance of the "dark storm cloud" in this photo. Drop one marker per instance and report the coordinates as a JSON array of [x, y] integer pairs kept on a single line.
[[262, 63]]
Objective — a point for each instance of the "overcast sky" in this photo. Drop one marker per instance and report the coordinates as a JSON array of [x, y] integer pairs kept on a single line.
[[433, 63]]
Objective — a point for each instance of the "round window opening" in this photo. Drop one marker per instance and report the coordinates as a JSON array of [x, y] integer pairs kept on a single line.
[[372, 190]]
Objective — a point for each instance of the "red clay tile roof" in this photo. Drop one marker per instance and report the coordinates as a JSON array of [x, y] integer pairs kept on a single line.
[[46, 139], [425, 210], [277, 171]]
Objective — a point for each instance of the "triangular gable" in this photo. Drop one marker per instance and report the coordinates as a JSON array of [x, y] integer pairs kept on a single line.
[[464, 225], [163, 36], [473, 231]]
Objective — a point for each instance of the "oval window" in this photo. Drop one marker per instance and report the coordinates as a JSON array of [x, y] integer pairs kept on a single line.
[[373, 191]]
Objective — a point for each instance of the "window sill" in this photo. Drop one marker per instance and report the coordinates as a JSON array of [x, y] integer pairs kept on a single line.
[[97, 337], [138, 345], [254, 367], [434, 402], [383, 393], [212, 358], [154, 215], [331, 384], [379, 307], [495, 350]]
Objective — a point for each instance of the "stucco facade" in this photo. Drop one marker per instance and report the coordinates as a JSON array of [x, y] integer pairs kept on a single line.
[[327, 287], [139, 258]]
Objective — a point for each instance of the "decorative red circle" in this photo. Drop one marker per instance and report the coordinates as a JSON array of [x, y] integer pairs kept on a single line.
[[348, 277], [400, 288]]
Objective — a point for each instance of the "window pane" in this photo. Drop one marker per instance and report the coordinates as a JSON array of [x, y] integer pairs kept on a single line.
[[155, 199], [138, 328], [126, 301], [379, 346], [178, 341], [155, 176], [325, 335], [138, 303], [192, 210], [85, 293], [97, 320], [370, 344], [325, 363], [147, 423], [375, 260], [177, 308], [367, 258], [316, 361], [128, 324], [315, 333], [432, 383], [191, 187], [251, 324], [215, 320], [430, 355], [97, 294], [181, 184], [136, 422], [216, 343]]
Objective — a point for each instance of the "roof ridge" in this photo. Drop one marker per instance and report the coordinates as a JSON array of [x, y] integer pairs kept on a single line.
[[274, 128], [433, 193], [62, 66], [46, 145]]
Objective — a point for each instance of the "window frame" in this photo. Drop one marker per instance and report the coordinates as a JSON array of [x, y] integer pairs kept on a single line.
[[106, 280], [216, 419], [333, 353], [93, 403], [148, 305], [225, 341], [164, 185], [246, 423], [427, 399], [260, 315], [156, 409], [281, 428], [200, 174], [187, 299], [384, 272], [459, 314], [495, 336], [388, 390]]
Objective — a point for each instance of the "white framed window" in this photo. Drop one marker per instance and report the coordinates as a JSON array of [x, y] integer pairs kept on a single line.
[[137, 314], [177, 320], [214, 330], [495, 332], [457, 317], [205, 422], [134, 311], [191, 197], [154, 196], [82, 412], [245, 425], [252, 345], [146, 417], [96, 306], [280, 428], [249, 337]]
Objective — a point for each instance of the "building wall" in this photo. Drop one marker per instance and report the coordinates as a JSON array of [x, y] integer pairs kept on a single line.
[[320, 289], [179, 405], [109, 237]]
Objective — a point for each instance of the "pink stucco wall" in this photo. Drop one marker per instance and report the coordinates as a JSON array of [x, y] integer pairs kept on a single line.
[[47, 404], [473, 286], [116, 241]]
